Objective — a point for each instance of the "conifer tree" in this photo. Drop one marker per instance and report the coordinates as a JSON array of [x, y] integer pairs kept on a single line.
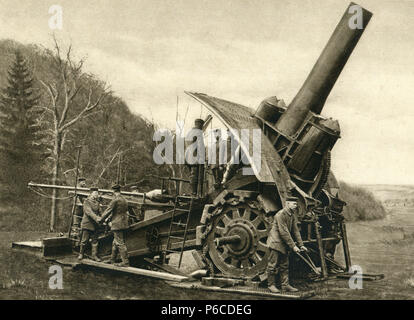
[[19, 147]]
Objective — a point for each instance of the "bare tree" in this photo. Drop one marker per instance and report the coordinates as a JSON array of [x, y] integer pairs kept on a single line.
[[73, 96]]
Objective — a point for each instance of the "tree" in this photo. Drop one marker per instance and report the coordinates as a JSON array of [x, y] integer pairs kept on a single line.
[[73, 96], [20, 147]]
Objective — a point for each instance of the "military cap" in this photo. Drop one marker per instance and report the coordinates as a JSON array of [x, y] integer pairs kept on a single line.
[[81, 179], [94, 189], [116, 187]]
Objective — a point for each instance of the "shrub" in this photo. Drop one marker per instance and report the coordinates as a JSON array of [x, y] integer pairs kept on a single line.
[[361, 203]]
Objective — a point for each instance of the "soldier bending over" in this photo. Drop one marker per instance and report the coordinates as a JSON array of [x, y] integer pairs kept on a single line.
[[280, 241]]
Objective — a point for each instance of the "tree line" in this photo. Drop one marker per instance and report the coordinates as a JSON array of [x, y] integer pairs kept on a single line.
[[49, 107]]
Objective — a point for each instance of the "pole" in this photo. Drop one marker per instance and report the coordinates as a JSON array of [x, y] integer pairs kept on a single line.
[[75, 197], [71, 189], [345, 245], [118, 175], [321, 250]]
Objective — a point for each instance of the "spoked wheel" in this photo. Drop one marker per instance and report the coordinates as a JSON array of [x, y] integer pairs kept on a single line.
[[236, 244]]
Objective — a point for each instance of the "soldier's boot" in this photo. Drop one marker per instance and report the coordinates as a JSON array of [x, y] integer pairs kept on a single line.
[[114, 253], [271, 283], [81, 251], [284, 279], [95, 252], [289, 288], [273, 289], [124, 256]]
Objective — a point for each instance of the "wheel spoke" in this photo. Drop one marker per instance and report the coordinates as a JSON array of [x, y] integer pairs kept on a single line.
[[236, 213], [261, 246], [219, 230], [256, 221], [247, 214], [256, 257], [226, 220], [261, 233]]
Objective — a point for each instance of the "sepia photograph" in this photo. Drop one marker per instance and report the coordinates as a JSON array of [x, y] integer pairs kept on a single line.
[[213, 150]]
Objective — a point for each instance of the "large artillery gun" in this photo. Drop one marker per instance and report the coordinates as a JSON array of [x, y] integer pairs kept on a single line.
[[295, 160], [228, 226]]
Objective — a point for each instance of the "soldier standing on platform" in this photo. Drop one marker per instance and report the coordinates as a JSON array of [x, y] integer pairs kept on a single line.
[[280, 242], [89, 225], [118, 208], [217, 167], [77, 217], [196, 169]]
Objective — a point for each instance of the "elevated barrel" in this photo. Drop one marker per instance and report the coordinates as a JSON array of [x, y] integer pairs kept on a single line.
[[318, 85]]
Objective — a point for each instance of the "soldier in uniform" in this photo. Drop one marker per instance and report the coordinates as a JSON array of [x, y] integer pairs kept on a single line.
[[77, 217], [90, 223], [218, 166], [118, 208], [280, 242], [196, 169]]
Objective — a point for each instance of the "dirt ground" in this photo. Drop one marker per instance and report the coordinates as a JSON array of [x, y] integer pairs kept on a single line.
[[383, 246]]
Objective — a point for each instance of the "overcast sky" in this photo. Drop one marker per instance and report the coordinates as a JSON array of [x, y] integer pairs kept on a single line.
[[244, 51]]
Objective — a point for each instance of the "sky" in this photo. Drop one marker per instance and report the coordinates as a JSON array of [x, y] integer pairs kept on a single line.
[[151, 51]]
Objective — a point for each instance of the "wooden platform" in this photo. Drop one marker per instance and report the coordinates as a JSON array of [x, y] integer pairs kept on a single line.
[[132, 270], [243, 290], [46, 247]]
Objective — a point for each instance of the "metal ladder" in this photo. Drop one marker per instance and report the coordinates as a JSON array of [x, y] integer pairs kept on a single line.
[[179, 224]]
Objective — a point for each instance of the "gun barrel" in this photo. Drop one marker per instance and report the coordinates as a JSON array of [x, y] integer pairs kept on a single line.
[[69, 188], [320, 81]]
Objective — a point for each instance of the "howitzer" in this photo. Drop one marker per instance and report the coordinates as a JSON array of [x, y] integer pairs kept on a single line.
[[228, 221], [295, 160]]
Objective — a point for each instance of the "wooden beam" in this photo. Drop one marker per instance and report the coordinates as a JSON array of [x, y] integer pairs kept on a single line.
[[244, 291], [136, 271], [321, 250], [345, 245], [165, 267]]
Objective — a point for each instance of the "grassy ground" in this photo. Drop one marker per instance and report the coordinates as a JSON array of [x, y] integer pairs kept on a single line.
[[383, 246]]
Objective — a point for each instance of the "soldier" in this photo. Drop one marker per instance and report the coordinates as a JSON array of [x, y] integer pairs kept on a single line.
[[118, 208], [195, 168], [280, 241], [90, 223], [78, 206], [218, 165], [81, 182]]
